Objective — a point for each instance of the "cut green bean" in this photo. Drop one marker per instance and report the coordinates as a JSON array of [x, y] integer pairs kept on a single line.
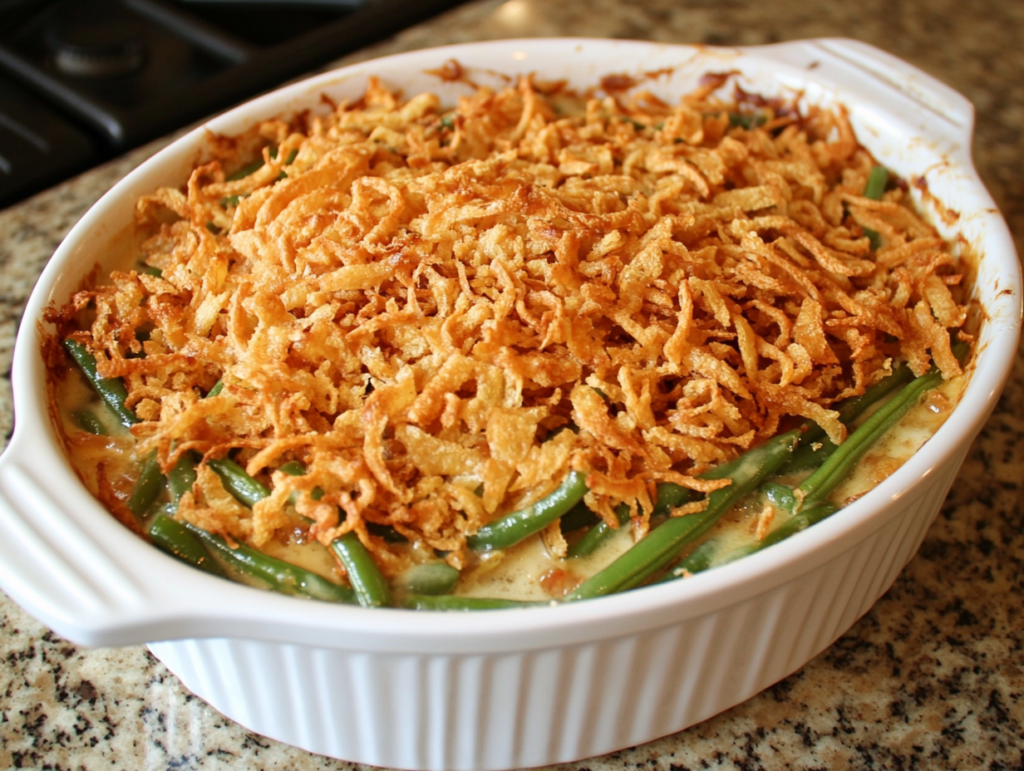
[[110, 389], [747, 121], [173, 537], [578, 517], [148, 486], [388, 533], [246, 170], [809, 455], [809, 501], [113, 393], [149, 270], [257, 164], [217, 388], [293, 468], [657, 550], [431, 578], [819, 485], [451, 602], [779, 495], [276, 574], [370, 586], [815, 447], [878, 178], [182, 477], [705, 555], [697, 561], [238, 482], [87, 421], [514, 527], [853, 408], [792, 526], [598, 535], [669, 496]]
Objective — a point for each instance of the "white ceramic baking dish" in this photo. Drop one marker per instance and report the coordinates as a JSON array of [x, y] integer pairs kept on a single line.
[[505, 689]]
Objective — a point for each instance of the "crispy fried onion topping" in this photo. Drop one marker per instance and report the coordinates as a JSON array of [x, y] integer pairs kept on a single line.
[[441, 312]]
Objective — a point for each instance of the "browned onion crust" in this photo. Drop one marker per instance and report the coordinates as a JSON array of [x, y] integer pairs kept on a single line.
[[420, 299]]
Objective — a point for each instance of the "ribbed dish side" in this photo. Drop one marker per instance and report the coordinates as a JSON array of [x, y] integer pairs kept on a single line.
[[514, 710], [69, 565]]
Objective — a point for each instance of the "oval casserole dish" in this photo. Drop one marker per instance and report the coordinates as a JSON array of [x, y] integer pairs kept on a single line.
[[509, 689]]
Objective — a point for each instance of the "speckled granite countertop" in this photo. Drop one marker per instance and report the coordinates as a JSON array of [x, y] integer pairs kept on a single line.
[[931, 677]]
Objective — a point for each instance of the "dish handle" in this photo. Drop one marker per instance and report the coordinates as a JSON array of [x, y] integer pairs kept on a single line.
[[65, 576], [887, 75]]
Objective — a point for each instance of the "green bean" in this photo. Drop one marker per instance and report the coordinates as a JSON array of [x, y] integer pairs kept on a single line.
[[238, 482], [652, 553], [367, 582], [256, 165], [854, 407], [87, 421], [598, 535], [182, 477], [174, 538], [809, 455], [179, 480], [388, 533], [287, 162], [451, 602], [277, 574], [779, 495], [148, 486], [142, 267], [370, 586], [703, 557], [514, 527], [809, 502], [747, 121], [579, 516], [815, 447], [819, 485], [668, 497], [431, 578], [697, 561], [294, 468], [246, 170], [217, 388], [110, 389], [878, 178], [792, 526]]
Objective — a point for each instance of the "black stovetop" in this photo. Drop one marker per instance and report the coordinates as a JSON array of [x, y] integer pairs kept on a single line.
[[82, 81]]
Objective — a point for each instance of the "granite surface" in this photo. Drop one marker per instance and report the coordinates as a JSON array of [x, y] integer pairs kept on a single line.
[[931, 677]]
